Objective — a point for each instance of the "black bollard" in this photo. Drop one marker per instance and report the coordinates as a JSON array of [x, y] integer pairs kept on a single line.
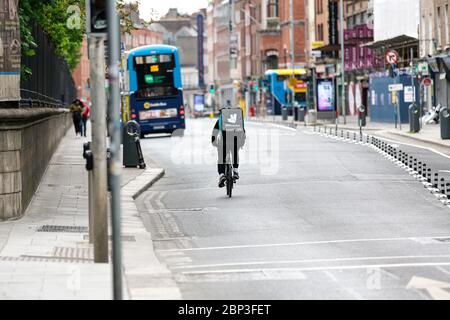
[[436, 179]]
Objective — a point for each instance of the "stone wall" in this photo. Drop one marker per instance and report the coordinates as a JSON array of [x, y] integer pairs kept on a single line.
[[28, 139]]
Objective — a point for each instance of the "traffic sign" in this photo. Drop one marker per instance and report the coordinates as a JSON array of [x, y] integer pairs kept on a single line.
[[391, 57], [396, 87], [426, 82]]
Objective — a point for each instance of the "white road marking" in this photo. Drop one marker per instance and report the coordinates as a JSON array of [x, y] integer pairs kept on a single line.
[[289, 244], [352, 267], [273, 125], [443, 270], [435, 288], [331, 276], [255, 263]]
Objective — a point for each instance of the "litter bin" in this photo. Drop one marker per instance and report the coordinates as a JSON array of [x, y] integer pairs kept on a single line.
[[414, 118], [362, 116], [132, 151], [296, 113], [444, 119], [284, 113], [312, 117], [301, 114]]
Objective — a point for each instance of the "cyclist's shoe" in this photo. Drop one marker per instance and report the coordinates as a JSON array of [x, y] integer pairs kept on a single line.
[[235, 174], [222, 180]]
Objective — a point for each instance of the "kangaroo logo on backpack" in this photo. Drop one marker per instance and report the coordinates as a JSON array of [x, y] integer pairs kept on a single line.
[[231, 120]]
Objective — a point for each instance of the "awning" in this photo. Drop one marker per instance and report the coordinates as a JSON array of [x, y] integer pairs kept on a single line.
[[399, 41], [330, 48]]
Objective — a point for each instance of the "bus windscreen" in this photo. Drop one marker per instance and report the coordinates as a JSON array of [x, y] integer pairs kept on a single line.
[[155, 75]]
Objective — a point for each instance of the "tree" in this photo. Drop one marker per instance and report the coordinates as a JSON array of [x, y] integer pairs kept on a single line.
[[64, 22]]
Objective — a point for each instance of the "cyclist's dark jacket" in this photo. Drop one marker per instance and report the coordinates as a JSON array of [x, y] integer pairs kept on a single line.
[[229, 144]]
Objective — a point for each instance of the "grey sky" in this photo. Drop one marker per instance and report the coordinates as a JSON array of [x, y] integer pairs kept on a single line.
[[162, 6]]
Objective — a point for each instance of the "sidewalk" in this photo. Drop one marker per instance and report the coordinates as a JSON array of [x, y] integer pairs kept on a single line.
[[47, 255], [429, 134]]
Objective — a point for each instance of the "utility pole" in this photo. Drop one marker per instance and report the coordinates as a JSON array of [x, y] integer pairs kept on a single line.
[[99, 174], [341, 35], [233, 53], [115, 130], [98, 193], [292, 56]]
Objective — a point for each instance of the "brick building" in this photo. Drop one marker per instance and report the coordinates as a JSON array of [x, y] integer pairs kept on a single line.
[[142, 35], [81, 74], [263, 30], [434, 43]]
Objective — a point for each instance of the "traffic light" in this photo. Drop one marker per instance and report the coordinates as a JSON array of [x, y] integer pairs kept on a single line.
[[97, 20], [212, 89]]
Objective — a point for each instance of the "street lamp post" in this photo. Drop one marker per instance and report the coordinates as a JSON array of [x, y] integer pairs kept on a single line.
[[292, 56], [341, 13]]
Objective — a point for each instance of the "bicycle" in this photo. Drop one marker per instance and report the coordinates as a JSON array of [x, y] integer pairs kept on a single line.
[[230, 181]]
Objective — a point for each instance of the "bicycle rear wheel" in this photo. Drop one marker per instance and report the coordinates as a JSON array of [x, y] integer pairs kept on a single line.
[[230, 187], [229, 182]]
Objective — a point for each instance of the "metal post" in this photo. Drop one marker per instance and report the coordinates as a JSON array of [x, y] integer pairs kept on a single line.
[[397, 102], [292, 55], [341, 35], [100, 198], [91, 207], [115, 130], [233, 58], [90, 174]]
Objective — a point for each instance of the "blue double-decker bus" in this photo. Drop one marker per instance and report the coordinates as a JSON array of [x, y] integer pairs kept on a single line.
[[156, 92], [279, 90]]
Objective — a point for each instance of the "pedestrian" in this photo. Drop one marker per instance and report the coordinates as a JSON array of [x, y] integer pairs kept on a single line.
[[76, 110], [85, 115]]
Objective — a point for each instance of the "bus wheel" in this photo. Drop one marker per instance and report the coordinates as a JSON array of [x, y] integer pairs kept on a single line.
[[178, 133]]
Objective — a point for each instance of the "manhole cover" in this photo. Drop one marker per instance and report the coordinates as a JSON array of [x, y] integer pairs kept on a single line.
[[69, 229]]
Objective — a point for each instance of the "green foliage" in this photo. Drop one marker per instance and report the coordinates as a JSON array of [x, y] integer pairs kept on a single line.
[[57, 18], [64, 22]]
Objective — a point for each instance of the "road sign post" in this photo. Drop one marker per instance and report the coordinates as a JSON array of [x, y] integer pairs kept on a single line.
[[392, 59]]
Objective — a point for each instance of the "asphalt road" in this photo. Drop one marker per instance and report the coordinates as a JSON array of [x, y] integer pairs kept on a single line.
[[311, 218]]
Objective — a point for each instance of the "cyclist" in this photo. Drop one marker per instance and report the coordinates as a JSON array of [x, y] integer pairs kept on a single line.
[[228, 143]]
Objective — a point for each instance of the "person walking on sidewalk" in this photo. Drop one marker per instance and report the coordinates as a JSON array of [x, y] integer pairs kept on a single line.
[[76, 110], [86, 113]]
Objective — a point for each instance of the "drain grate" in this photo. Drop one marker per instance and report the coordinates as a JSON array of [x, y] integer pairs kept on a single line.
[[67, 229], [31, 258]]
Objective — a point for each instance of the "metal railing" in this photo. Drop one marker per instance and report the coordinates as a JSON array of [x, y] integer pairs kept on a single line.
[[51, 83]]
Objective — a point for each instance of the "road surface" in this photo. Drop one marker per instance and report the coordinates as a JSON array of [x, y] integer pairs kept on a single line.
[[311, 218]]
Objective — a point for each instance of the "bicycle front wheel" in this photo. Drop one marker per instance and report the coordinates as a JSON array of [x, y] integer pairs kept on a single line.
[[230, 187]]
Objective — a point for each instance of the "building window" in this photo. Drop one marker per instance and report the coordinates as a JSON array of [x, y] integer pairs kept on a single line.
[[320, 32], [272, 62], [430, 35], [438, 27], [319, 6], [446, 25], [350, 22], [272, 9]]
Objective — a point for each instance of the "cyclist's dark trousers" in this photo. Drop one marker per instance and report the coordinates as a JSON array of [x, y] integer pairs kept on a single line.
[[227, 149]]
